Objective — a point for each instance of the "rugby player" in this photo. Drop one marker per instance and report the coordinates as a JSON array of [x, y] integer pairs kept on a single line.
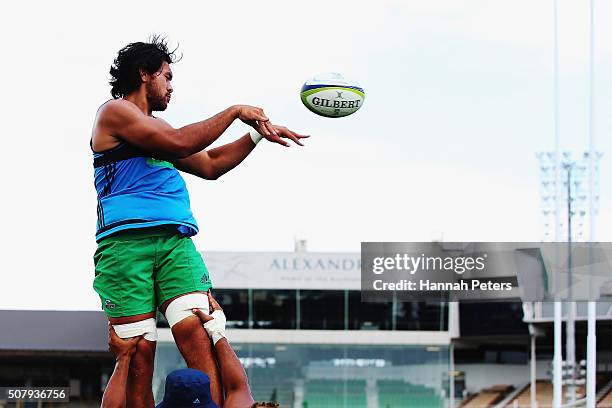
[[145, 258]]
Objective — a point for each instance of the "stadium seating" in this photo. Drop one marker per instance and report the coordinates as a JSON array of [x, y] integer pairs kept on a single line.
[[487, 397], [606, 401], [544, 392], [272, 385], [399, 394], [335, 394]]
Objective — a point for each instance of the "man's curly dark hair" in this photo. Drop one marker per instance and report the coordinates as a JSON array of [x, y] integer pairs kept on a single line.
[[265, 404], [149, 56]]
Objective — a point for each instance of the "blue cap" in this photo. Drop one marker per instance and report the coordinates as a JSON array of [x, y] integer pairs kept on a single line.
[[187, 388]]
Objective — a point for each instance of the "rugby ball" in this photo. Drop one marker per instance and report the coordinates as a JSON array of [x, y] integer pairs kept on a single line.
[[331, 95]]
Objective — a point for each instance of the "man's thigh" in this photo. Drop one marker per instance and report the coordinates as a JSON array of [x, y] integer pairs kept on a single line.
[[180, 270], [124, 269]]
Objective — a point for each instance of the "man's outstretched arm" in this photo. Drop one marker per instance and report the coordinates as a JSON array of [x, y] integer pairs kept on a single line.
[[235, 381], [123, 350], [212, 164], [122, 120]]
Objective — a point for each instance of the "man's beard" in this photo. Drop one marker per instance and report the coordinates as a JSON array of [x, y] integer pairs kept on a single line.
[[157, 102]]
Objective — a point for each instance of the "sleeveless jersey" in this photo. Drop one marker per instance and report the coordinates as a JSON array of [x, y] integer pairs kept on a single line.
[[138, 191]]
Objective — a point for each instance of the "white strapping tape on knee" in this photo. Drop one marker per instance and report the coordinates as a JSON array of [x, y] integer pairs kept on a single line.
[[146, 327], [180, 308]]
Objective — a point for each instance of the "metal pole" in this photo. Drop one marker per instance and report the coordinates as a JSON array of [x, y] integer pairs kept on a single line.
[[556, 125], [533, 371], [591, 367], [570, 341], [570, 344], [451, 376], [591, 357], [557, 390], [557, 358]]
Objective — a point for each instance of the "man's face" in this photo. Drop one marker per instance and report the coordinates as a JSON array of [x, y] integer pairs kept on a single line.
[[158, 87]]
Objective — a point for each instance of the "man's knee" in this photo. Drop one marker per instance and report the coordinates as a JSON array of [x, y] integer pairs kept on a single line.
[[187, 325], [141, 364], [193, 343], [191, 339], [142, 361]]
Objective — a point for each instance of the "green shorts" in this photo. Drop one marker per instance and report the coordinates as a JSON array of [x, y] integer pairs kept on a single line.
[[138, 270]]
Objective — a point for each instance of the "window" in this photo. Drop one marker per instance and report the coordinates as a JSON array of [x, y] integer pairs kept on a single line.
[[322, 309], [274, 309], [368, 316], [235, 304], [431, 316], [500, 318]]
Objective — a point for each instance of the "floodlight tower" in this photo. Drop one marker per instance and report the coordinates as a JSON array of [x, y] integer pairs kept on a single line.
[[578, 191], [566, 212]]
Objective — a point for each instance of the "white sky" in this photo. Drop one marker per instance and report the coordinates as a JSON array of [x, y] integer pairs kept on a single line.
[[459, 98]]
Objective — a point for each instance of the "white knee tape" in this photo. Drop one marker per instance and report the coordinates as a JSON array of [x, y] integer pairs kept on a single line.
[[180, 308], [146, 327]]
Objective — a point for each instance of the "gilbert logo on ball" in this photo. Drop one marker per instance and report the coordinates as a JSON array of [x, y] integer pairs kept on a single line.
[[331, 95]]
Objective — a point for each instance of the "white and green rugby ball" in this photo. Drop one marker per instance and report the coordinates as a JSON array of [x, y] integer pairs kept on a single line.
[[331, 95]]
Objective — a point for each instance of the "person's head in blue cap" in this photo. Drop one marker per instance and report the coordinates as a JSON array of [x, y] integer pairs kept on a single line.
[[187, 388]]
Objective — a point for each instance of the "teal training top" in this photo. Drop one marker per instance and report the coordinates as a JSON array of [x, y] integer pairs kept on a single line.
[[138, 191]]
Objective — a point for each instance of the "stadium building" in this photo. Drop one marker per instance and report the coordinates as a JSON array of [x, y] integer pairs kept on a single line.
[[297, 323], [305, 338]]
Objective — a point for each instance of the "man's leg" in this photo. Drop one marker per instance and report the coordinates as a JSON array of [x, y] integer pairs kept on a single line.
[[124, 282], [196, 348], [181, 281], [140, 377]]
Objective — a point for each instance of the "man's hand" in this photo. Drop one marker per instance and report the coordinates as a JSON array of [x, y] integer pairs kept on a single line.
[[214, 324], [214, 306], [256, 118], [283, 132], [119, 347]]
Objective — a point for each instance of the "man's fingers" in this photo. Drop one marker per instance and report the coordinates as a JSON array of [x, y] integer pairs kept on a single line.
[[203, 316], [298, 135], [294, 137], [213, 302], [216, 305], [280, 141], [261, 115], [286, 133], [112, 334], [134, 340], [270, 128], [262, 129]]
